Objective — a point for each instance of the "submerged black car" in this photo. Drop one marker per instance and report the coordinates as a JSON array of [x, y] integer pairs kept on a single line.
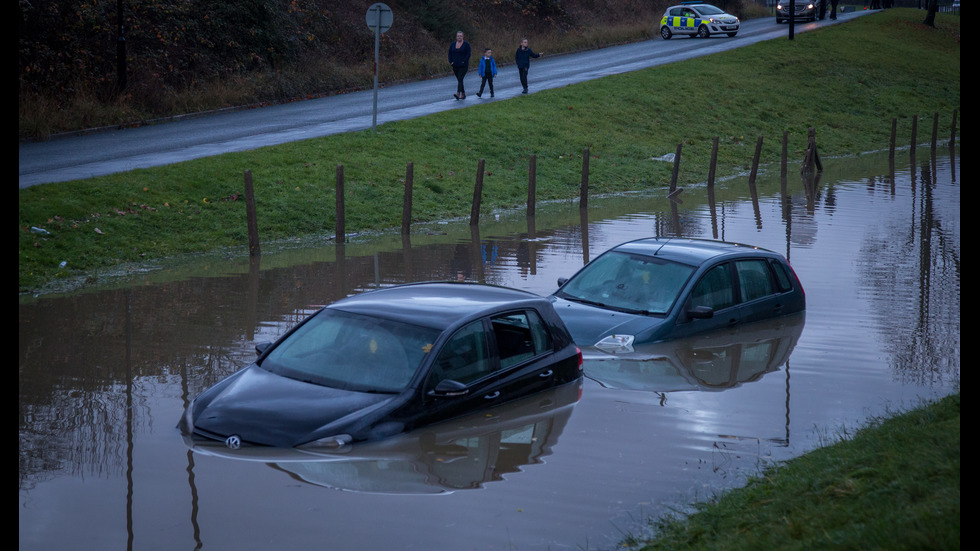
[[386, 361]]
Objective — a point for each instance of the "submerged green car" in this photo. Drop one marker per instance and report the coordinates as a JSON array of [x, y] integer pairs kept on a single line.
[[652, 289]]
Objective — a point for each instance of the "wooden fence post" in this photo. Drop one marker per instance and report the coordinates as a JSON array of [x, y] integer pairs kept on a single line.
[[811, 159], [755, 160], [952, 131], [785, 154], [891, 143], [531, 183], [477, 194], [935, 130], [714, 161], [915, 125], [407, 201], [677, 165], [340, 230], [250, 215], [584, 188]]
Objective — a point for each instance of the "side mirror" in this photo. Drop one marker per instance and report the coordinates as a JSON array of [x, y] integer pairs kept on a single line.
[[449, 388], [562, 280], [261, 347], [701, 312]]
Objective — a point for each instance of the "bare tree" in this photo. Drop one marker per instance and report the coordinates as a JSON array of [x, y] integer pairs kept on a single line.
[[931, 13]]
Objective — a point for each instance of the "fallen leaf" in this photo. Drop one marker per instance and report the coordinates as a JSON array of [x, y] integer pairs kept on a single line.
[[98, 231]]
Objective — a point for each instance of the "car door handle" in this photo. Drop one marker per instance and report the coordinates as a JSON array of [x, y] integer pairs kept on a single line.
[[492, 396], [546, 374]]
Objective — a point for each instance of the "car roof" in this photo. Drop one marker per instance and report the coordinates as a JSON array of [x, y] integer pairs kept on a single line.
[[438, 304], [687, 250]]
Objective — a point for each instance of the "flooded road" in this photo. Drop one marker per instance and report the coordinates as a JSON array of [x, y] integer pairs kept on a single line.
[[105, 374]]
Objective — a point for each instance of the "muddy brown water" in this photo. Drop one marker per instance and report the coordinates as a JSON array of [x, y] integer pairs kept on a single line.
[[106, 371]]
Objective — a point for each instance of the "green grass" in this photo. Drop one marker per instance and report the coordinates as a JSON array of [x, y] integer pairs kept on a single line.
[[894, 485], [847, 81]]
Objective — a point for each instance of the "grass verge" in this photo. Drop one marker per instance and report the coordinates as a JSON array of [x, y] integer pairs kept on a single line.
[[895, 485], [847, 81]]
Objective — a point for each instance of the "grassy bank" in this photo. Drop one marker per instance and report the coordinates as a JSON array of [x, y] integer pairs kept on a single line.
[[856, 78], [894, 485]]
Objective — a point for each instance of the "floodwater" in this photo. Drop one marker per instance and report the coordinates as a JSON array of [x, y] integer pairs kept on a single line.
[[105, 374]]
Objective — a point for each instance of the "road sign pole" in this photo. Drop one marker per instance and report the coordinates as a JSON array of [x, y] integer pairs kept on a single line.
[[377, 46], [378, 20]]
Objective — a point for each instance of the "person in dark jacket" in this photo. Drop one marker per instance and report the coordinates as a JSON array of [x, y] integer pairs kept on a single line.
[[833, 8], [459, 58], [488, 70], [523, 59]]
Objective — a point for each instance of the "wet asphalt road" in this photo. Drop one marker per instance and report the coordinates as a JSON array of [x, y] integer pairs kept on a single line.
[[97, 153]]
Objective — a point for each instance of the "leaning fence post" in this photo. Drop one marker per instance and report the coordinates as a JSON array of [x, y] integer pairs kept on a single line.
[[584, 189], [407, 201], [477, 194], [531, 183], [755, 160], [250, 215], [935, 130], [340, 230]]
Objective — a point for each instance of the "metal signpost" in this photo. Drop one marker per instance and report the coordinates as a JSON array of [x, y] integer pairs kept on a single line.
[[379, 19]]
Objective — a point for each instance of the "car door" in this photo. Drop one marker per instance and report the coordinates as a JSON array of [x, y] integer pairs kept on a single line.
[[714, 289], [677, 20], [466, 358], [689, 21], [759, 296], [526, 351]]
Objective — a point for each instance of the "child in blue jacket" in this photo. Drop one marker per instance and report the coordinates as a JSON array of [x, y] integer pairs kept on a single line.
[[488, 70]]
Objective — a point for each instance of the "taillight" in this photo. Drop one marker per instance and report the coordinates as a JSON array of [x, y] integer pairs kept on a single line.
[[578, 352], [797, 278]]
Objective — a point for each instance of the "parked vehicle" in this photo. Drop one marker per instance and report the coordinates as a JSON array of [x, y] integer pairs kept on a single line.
[[697, 19], [652, 289], [387, 361], [804, 11]]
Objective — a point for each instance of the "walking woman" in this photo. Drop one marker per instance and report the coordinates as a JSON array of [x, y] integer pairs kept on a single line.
[[459, 58]]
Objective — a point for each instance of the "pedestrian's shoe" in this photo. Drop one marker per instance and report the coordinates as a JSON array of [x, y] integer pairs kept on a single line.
[[525, 91], [479, 94], [491, 94], [456, 96]]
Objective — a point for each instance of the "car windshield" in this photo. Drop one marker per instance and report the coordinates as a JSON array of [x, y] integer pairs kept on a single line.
[[629, 282], [352, 352], [710, 10]]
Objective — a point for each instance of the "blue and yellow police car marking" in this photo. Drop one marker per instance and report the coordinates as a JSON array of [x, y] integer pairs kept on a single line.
[[681, 22]]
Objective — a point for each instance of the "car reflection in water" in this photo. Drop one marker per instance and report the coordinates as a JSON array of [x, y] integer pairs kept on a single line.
[[718, 360], [460, 454]]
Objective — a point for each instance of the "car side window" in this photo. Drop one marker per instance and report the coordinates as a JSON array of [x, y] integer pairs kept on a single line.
[[520, 336], [714, 289], [782, 278], [464, 357], [753, 279]]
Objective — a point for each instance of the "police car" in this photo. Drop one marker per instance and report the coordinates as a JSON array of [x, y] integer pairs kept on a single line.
[[697, 19]]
